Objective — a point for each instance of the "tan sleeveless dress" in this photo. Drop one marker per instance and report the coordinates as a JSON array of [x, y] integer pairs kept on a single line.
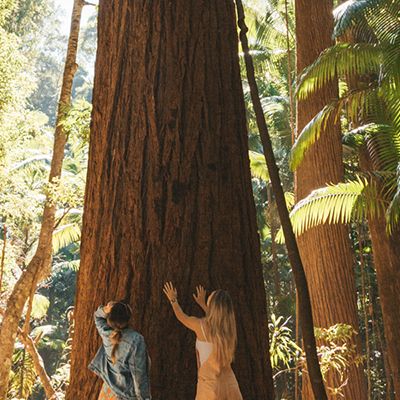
[[214, 382]]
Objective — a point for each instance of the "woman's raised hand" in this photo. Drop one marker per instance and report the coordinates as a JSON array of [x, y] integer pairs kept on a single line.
[[200, 296], [170, 292], [108, 307]]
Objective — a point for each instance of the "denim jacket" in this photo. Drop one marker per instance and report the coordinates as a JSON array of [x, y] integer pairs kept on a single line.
[[128, 378]]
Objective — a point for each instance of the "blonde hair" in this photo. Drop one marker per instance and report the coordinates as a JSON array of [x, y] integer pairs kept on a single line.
[[221, 323]]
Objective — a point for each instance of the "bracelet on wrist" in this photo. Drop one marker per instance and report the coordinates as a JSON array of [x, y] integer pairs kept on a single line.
[[173, 300]]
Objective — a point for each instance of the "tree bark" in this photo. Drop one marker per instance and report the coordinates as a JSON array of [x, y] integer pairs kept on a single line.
[[386, 257], [325, 250], [39, 267], [168, 194], [290, 239]]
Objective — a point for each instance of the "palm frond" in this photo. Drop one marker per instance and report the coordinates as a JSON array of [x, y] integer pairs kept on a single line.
[[383, 144], [71, 265], [65, 235], [258, 166], [351, 12], [342, 59], [393, 211], [40, 305], [42, 160], [289, 198], [23, 375], [357, 103], [333, 204], [43, 330], [310, 134]]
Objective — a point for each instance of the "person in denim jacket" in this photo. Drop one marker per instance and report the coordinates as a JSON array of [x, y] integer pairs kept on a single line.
[[122, 361]]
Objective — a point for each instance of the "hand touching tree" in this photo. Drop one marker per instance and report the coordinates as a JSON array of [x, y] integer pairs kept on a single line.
[[108, 307], [170, 292], [200, 297]]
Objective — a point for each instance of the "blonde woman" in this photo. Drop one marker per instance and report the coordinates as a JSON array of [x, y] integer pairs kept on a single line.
[[215, 342]]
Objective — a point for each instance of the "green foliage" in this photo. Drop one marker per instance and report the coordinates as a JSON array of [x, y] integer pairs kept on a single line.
[[340, 203], [258, 166], [284, 352], [337, 352], [377, 103], [341, 60], [23, 376], [40, 306], [76, 120]]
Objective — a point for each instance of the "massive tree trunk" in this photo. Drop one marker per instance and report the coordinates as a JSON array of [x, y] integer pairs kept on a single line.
[[325, 250], [39, 267], [168, 193]]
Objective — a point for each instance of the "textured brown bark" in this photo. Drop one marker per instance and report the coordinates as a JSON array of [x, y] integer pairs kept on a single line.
[[386, 255], [325, 250], [39, 267], [306, 320], [364, 308], [169, 190]]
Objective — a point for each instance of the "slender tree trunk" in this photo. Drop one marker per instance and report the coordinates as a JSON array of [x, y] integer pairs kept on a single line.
[[3, 254], [168, 194], [290, 71], [39, 267], [271, 215], [290, 240], [364, 308], [325, 250], [38, 364]]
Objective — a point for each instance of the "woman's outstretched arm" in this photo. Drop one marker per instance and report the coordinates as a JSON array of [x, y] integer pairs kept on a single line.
[[192, 323], [100, 319]]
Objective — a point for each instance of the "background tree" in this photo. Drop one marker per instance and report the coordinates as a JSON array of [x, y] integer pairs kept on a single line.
[[325, 250]]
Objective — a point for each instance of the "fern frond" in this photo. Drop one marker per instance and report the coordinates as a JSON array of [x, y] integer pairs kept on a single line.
[[342, 59]]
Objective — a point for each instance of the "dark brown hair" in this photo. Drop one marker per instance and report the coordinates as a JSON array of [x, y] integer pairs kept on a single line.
[[118, 319]]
